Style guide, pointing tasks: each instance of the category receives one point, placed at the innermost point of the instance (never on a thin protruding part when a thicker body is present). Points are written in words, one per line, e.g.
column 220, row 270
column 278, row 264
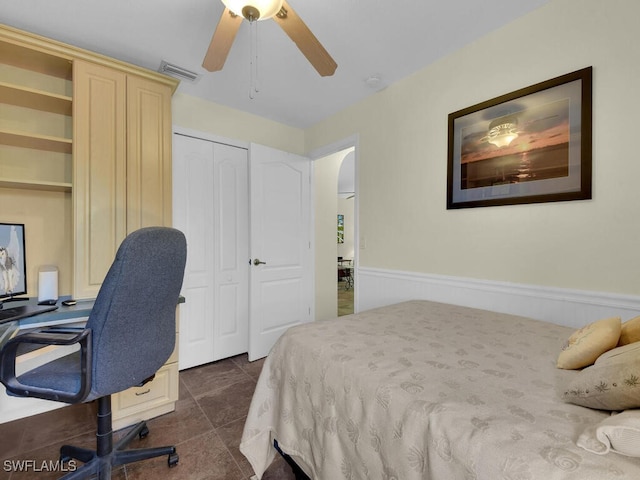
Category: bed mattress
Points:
column 423, row 390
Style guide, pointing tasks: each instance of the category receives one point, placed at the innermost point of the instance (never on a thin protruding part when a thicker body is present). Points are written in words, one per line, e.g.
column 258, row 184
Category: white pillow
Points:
column 618, row 433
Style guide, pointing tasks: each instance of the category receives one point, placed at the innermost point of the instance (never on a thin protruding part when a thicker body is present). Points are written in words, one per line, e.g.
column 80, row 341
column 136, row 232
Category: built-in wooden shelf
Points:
column 35, row 99
column 35, row 185
column 36, row 60
column 36, row 141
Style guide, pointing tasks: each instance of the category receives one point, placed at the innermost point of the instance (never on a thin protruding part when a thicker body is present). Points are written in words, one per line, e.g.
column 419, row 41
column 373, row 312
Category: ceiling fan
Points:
column 283, row 14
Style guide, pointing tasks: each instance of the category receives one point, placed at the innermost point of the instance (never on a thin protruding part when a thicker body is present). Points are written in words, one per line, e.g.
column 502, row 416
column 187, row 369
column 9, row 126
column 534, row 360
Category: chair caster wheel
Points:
column 143, row 433
column 173, row 459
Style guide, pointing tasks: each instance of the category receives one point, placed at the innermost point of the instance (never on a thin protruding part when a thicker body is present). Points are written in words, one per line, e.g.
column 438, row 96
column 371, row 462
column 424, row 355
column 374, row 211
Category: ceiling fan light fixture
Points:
column 256, row 9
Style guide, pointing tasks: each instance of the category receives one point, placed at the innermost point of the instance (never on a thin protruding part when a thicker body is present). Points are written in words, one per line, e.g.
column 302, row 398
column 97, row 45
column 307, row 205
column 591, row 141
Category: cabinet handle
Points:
column 138, row 394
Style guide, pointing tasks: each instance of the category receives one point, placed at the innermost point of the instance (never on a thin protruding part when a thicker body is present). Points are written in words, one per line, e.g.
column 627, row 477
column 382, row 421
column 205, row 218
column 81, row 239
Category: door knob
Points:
column 256, row 262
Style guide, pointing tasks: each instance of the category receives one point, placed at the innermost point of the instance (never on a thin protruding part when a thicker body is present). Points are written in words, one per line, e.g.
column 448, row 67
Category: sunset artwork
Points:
column 536, row 147
column 531, row 145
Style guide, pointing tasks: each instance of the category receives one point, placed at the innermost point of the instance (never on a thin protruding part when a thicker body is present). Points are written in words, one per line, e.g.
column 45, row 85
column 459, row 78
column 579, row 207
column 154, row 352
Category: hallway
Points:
column 345, row 299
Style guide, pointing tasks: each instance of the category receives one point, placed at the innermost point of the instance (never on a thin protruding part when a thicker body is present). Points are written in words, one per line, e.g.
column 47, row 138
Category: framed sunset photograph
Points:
column 529, row 146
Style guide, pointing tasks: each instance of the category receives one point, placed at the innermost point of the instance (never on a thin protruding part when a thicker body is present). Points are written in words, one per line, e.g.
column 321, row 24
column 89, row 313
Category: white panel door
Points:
column 210, row 205
column 281, row 287
column 192, row 205
column 231, row 244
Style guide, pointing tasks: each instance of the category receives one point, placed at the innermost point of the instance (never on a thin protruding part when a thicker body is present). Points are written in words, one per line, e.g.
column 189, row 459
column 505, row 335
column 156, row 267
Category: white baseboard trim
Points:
column 573, row 308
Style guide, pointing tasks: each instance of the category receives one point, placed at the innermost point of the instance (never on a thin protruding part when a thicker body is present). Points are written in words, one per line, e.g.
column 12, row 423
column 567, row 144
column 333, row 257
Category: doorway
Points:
column 335, row 293
column 345, row 237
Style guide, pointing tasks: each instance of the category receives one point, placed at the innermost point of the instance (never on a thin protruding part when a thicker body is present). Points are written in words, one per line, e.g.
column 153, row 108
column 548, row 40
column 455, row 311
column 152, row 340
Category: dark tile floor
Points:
column 206, row 428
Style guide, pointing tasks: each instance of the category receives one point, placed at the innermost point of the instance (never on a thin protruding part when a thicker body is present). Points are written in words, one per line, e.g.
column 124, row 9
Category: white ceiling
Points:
column 367, row 38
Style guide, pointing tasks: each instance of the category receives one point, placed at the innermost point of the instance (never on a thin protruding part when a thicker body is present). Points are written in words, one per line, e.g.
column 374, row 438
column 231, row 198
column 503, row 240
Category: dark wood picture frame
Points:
column 528, row 146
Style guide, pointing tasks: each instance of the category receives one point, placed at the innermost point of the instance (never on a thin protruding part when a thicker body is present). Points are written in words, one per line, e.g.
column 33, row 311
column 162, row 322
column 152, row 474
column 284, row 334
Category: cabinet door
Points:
column 148, row 153
column 99, row 165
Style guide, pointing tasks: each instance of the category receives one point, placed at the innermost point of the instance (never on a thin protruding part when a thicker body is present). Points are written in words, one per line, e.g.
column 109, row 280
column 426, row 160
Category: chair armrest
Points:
column 60, row 336
column 52, row 336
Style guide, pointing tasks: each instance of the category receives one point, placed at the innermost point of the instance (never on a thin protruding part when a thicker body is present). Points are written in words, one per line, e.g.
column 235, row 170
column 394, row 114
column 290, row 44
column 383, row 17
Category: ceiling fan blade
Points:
column 306, row 41
column 221, row 41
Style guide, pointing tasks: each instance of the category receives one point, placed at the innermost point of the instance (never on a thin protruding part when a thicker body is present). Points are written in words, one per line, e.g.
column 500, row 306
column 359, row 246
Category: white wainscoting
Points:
column 572, row 308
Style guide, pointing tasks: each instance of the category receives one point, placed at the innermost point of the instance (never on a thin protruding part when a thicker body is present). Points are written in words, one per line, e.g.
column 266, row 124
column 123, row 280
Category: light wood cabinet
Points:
column 100, row 176
column 149, row 184
column 85, row 159
column 122, row 167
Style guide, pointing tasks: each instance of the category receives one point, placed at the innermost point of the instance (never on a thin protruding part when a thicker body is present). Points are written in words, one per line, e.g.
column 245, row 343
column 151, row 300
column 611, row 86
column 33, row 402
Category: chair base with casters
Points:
column 107, row 456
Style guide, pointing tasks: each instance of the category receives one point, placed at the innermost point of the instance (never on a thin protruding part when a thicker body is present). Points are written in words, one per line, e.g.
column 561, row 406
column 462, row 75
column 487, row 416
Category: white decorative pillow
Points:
column 618, row 433
column 630, row 332
column 612, row 383
column 588, row 343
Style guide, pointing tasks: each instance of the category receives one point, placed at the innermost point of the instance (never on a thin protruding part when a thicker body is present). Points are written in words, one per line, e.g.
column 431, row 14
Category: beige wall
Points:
column 590, row 245
column 48, row 226
column 204, row 116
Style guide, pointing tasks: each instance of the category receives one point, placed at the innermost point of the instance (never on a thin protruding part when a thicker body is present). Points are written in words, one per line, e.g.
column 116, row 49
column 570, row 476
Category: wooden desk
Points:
column 155, row 398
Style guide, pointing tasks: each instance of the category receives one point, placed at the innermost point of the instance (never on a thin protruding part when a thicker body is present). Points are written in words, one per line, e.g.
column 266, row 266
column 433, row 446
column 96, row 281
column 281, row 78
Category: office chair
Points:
column 129, row 335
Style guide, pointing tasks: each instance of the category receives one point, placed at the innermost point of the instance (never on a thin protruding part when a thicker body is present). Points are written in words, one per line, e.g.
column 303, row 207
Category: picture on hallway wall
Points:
column 340, row 228
column 529, row 146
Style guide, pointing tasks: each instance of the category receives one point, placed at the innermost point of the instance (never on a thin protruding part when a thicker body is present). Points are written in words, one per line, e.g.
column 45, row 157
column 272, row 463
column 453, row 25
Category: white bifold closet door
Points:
column 247, row 218
column 210, row 205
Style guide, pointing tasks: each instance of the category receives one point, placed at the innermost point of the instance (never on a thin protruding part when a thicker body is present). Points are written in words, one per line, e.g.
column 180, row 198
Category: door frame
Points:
column 317, row 154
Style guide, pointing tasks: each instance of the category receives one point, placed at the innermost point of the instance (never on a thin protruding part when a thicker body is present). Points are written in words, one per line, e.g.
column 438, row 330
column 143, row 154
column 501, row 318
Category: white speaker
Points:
column 47, row 283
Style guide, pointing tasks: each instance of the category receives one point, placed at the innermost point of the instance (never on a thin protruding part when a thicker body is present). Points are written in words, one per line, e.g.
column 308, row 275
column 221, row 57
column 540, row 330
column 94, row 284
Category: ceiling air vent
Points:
column 178, row 72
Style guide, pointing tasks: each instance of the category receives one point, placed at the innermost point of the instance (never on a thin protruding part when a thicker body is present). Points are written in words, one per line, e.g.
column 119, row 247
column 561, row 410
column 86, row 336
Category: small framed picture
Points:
column 340, row 228
column 13, row 272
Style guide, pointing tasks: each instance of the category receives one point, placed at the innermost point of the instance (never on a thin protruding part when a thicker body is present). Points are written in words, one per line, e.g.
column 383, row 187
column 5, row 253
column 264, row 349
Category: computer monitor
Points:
column 13, row 267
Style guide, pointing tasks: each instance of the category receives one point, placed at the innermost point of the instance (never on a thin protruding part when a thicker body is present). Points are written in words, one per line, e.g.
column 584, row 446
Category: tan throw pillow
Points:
column 630, row 332
column 588, row 343
column 612, row 383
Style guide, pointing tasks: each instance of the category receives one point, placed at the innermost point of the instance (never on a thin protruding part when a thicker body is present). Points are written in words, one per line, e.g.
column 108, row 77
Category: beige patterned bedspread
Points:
column 422, row 390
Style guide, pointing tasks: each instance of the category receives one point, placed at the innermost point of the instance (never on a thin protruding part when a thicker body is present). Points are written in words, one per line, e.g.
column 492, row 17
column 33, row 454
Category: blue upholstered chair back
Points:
column 133, row 319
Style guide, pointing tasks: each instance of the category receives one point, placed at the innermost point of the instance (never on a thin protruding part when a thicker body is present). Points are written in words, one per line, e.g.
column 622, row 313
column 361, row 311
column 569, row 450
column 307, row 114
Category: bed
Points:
column 423, row 390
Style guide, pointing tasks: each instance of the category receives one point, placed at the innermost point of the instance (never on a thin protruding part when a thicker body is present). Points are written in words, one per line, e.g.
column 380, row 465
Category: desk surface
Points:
column 81, row 309
column 12, row 313
column 63, row 314
column 74, row 313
